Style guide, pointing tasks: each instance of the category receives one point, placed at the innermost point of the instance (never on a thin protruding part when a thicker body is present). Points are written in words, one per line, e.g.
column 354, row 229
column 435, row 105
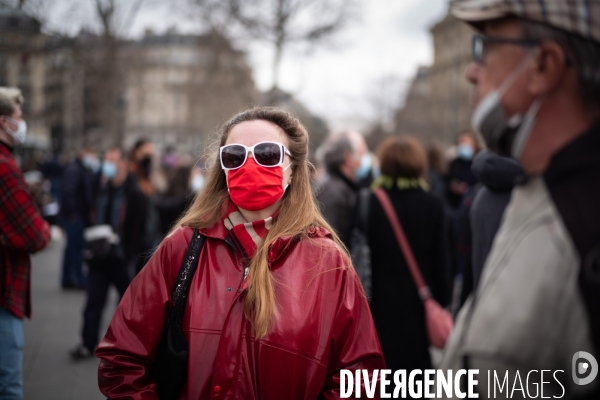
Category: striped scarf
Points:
column 248, row 235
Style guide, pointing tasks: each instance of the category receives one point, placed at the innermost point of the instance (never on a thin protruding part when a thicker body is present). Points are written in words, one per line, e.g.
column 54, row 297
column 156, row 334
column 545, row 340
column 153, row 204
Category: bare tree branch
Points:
column 105, row 11
column 285, row 22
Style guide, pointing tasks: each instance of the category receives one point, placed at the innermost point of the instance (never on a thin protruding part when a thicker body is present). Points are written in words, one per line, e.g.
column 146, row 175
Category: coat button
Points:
column 217, row 388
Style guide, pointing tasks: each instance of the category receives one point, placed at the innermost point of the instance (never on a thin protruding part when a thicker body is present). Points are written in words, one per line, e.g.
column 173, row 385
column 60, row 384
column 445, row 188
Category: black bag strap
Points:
column 186, row 273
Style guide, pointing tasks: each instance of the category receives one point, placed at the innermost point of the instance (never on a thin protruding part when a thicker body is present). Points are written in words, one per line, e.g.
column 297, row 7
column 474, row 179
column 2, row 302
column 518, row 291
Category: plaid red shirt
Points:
column 22, row 232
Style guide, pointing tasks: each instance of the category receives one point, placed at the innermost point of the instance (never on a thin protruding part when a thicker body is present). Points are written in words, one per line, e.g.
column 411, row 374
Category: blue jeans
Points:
column 11, row 356
column 72, row 273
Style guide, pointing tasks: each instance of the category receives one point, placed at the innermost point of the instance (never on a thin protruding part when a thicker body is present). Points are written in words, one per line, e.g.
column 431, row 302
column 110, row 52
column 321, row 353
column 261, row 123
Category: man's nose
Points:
column 472, row 72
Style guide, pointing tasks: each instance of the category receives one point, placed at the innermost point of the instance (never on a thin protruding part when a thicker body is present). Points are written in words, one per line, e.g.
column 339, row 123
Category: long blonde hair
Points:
column 298, row 209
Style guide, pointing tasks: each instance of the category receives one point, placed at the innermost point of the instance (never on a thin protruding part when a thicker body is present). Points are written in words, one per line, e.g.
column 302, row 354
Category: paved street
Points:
column 48, row 373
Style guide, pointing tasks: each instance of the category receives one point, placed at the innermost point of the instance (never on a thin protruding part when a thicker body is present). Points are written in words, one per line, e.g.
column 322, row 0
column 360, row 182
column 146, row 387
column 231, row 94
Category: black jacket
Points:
column 498, row 175
column 459, row 170
column 396, row 306
column 140, row 227
column 337, row 198
column 77, row 186
column 170, row 209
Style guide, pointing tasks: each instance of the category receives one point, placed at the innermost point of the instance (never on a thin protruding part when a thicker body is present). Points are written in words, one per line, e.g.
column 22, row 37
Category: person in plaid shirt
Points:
column 22, row 232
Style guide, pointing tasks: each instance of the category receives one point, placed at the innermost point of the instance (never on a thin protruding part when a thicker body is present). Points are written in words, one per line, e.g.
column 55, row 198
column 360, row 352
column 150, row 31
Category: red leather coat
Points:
column 323, row 324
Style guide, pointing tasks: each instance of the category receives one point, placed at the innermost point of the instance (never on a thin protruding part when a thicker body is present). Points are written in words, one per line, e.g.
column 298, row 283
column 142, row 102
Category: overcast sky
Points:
column 389, row 39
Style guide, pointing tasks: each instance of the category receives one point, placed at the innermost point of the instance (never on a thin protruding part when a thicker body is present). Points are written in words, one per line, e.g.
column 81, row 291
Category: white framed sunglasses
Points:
column 266, row 154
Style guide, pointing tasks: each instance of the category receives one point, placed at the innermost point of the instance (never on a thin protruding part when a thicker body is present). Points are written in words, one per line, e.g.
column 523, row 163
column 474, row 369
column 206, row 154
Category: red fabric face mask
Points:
column 253, row 187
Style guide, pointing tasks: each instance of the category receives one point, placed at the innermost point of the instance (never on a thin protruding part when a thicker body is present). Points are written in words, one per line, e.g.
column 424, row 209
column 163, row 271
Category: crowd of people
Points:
column 267, row 271
column 117, row 189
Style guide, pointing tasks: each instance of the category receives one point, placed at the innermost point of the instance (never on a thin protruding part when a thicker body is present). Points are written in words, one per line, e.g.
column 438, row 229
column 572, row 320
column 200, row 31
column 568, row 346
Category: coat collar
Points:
column 279, row 247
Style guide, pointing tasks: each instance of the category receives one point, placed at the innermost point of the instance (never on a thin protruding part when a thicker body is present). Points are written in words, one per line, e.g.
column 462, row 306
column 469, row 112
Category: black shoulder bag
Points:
column 170, row 367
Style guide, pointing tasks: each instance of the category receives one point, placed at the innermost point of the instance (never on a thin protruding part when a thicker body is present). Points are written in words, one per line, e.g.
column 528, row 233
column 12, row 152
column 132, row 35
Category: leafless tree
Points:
column 282, row 23
column 383, row 99
column 105, row 70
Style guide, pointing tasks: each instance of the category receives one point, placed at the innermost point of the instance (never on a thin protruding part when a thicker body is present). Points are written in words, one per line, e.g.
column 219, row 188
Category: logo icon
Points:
column 585, row 368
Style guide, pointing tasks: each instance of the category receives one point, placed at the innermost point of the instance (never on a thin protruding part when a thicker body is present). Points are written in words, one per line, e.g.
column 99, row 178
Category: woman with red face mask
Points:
column 274, row 309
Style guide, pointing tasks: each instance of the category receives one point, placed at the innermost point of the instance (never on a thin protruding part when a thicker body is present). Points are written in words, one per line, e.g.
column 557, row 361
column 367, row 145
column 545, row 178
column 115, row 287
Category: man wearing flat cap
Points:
column 535, row 316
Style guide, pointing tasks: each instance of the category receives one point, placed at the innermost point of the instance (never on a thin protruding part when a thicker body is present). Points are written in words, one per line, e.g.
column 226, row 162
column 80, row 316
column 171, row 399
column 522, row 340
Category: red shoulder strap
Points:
column 413, row 267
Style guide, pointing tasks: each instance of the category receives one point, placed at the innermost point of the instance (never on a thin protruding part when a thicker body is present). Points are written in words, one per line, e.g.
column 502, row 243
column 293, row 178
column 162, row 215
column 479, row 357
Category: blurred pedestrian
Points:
column 197, row 179
column 343, row 156
column 537, row 305
column 112, row 268
column 396, row 305
column 437, row 170
column 140, row 228
column 22, row 232
column 274, row 294
column 176, row 199
column 77, row 186
column 460, row 177
column 53, row 170
column 368, row 170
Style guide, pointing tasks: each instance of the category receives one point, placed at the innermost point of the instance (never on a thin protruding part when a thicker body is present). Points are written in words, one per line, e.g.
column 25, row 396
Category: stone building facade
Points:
column 95, row 90
column 180, row 87
column 439, row 102
column 22, row 64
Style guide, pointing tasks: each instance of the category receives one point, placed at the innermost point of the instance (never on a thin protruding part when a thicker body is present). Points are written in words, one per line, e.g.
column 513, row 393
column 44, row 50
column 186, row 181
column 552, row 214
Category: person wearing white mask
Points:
column 537, row 306
column 23, row 231
column 14, row 128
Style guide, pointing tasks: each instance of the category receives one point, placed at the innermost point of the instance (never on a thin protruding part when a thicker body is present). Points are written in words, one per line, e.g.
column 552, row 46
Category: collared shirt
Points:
column 22, row 232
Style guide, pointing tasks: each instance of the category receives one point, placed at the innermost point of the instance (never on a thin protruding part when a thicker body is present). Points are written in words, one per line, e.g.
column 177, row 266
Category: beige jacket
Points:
column 527, row 313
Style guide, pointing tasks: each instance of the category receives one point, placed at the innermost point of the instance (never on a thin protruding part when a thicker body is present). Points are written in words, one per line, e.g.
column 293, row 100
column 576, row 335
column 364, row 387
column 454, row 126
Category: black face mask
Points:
column 146, row 166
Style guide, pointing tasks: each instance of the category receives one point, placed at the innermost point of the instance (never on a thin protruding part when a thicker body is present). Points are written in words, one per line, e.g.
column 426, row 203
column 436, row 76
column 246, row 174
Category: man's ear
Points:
column 548, row 69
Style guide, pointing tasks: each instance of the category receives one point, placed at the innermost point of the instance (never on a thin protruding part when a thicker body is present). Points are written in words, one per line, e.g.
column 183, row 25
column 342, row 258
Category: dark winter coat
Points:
column 337, row 198
column 396, row 306
column 77, row 191
column 140, row 227
column 459, row 170
column 498, row 175
column 170, row 209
